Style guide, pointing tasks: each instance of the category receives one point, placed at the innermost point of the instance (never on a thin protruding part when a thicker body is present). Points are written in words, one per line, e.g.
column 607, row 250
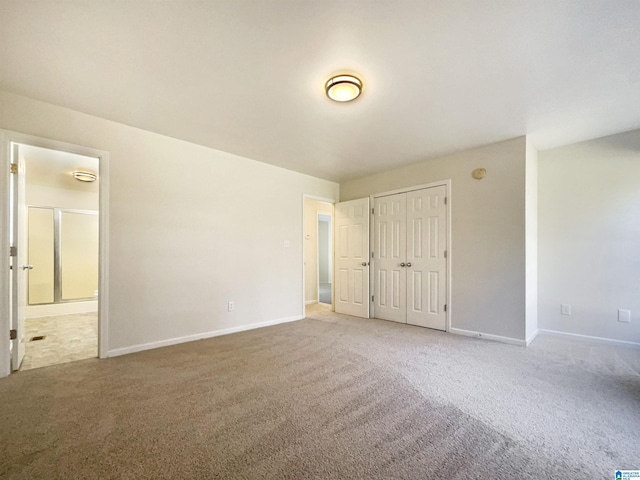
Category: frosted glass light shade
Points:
column 85, row 176
column 343, row 88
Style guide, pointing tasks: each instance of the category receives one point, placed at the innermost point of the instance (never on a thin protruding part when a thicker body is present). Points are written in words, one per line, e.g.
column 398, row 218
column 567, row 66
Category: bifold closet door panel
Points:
column 390, row 244
column 426, row 261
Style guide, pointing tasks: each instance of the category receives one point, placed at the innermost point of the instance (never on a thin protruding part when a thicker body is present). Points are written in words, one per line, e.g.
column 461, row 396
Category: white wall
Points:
column 311, row 209
column 191, row 228
column 589, row 237
column 531, row 247
column 488, row 231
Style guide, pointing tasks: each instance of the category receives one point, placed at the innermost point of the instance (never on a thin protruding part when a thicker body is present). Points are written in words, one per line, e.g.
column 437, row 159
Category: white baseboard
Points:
column 310, row 302
column 588, row 337
column 488, row 336
column 198, row 336
column 532, row 337
column 67, row 308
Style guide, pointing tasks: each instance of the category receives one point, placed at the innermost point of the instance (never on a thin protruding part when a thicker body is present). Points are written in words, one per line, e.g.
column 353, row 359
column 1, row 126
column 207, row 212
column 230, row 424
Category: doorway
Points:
column 325, row 261
column 317, row 253
column 57, row 262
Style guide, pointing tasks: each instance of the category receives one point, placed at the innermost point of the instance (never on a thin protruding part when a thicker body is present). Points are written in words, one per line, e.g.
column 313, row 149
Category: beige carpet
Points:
column 329, row 397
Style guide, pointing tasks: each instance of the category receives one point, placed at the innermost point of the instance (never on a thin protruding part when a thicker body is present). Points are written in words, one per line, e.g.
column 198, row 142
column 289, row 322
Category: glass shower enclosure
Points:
column 63, row 251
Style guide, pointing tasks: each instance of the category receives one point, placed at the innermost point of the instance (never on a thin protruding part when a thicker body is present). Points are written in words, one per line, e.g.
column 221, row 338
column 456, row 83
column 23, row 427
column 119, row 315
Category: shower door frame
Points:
column 57, row 249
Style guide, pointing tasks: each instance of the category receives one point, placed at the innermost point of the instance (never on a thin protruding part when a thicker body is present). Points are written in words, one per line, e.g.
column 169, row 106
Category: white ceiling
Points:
column 54, row 168
column 247, row 76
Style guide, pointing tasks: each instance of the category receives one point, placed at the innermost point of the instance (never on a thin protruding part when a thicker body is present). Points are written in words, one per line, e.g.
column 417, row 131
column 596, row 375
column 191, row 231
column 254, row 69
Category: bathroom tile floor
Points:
column 67, row 338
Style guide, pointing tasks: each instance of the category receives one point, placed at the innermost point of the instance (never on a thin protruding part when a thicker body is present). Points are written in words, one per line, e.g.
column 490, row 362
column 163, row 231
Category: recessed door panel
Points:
column 390, row 244
column 343, row 285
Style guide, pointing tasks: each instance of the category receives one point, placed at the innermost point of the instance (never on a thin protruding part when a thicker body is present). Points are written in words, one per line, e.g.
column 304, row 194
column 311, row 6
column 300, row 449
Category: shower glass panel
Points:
column 78, row 255
column 63, row 249
column 41, row 241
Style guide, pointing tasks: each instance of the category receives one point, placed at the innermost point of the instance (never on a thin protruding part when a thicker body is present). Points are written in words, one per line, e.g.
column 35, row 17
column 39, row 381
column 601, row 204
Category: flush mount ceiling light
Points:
column 85, row 176
column 343, row 88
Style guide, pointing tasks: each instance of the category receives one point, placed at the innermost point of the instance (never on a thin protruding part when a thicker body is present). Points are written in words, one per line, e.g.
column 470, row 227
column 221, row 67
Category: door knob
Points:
column 364, row 264
column 402, row 264
column 408, row 264
column 27, row 267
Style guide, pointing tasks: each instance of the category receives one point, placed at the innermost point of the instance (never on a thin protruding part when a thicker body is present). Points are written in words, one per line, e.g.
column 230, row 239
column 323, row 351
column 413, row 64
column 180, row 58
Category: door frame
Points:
column 448, row 283
column 6, row 138
column 332, row 201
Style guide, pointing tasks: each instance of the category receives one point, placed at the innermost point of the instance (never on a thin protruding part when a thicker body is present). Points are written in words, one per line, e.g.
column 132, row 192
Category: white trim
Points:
column 198, row 336
column 5, row 308
column 413, row 188
column 587, row 337
column 488, row 336
column 449, row 209
column 6, row 137
column 310, row 302
column 532, row 337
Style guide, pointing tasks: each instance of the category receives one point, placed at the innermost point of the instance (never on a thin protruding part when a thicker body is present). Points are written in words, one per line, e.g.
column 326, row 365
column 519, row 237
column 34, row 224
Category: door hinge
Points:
column 445, row 200
column 13, row 251
column 445, row 307
column 13, row 334
column 445, row 254
column 372, row 298
column 14, row 168
column 372, row 211
column 371, row 254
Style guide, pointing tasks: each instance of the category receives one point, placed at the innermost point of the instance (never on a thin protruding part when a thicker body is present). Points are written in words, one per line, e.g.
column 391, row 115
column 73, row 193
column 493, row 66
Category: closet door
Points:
column 425, row 259
column 389, row 254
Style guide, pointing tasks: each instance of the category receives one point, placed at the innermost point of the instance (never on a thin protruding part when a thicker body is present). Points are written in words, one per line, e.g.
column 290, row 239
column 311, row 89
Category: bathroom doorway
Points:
column 58, row 215
column 325, row 256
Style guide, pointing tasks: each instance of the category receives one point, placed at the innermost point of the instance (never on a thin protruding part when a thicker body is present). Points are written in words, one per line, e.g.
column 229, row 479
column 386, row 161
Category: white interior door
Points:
column 19, row 264
column 352, row 258
column 389, row 254
column 426, row 261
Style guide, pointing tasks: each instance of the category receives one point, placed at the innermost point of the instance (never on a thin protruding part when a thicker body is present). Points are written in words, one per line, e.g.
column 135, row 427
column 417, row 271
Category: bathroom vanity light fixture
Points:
column 343, row 88
column 85, row 176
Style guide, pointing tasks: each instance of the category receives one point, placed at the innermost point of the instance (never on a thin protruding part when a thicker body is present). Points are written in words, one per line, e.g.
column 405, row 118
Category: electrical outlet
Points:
column 624, row 316
column 565, row 309
column 231, row 306
column 286, row 243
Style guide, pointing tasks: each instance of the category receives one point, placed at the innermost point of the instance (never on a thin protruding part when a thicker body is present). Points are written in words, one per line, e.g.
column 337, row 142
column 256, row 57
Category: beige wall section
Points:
column 311, row 210
column 41, row 240
column 46, row 196
column 531, row 211
column 589, row 237
column 488, row 231
column 191, row 228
